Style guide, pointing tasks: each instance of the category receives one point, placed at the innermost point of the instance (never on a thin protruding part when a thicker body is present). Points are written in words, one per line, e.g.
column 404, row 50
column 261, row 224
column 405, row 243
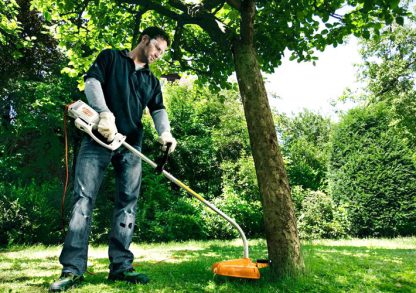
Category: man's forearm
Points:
column 161, row 121
column 95, row 95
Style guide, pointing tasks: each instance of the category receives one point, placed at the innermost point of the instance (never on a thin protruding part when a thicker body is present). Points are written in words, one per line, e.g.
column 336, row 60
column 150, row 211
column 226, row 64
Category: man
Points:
column 119, row 85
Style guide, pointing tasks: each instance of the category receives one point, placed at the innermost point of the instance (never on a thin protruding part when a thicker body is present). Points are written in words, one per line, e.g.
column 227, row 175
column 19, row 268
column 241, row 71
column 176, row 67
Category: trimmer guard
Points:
column 238, row 268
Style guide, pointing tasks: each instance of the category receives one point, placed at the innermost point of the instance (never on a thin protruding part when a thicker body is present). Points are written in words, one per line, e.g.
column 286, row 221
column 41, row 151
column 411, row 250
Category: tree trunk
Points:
column 278, row 211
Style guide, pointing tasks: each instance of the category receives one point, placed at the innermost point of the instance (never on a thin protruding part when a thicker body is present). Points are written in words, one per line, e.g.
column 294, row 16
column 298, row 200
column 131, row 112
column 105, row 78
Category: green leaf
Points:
column 400, row 20
column 394, row 3
column 48, row 16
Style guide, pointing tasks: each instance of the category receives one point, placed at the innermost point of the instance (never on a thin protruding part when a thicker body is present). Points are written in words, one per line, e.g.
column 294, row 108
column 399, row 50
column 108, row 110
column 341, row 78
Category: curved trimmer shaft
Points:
column 193, row 193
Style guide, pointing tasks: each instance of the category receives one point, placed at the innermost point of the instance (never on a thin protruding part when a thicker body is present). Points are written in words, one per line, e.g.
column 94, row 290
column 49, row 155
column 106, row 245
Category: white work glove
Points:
column 107, row 125
column 165, row 138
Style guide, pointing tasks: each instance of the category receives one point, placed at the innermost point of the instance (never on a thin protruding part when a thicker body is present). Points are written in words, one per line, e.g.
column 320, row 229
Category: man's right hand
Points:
column 107, row 125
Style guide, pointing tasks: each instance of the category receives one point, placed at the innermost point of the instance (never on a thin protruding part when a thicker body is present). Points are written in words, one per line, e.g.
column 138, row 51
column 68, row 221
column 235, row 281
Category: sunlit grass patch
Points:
column 364, row 265
column 356, row 265
column 387, row 243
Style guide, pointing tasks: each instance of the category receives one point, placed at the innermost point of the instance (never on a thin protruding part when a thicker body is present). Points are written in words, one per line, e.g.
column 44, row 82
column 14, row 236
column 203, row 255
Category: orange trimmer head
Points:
column 239, row 268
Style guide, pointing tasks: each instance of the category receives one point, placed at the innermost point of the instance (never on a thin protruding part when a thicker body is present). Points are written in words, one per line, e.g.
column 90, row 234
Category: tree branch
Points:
column 154, row 5
column 184, row 65
column 336, row 16
column 236, row 4
column 211, row 4
column 177, row 54
column 180, row 5
column 129, row 8
column 218, row 9
column 201, row 17
column 248, row 11
column 136, row 30
column 325, row 9
column 188, row 67
column 82, row 6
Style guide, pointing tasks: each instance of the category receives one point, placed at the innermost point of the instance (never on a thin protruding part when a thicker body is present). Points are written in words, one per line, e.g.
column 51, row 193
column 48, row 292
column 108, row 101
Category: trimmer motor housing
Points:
column 81, row 110
column 86, row 119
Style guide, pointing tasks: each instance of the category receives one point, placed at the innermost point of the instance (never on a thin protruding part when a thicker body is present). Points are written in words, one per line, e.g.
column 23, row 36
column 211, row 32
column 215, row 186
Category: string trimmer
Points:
column 86, row 119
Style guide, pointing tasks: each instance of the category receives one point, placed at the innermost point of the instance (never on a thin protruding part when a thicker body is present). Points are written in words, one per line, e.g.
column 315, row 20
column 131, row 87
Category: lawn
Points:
column 356, row 265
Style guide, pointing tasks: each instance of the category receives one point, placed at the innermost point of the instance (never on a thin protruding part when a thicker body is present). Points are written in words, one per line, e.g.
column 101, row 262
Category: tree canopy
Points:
column 212, row 39
column 204, row 32
column 389, row 70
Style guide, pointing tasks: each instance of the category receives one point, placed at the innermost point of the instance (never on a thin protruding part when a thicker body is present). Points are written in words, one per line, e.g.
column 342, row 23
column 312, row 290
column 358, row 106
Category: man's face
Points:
column 153, row 49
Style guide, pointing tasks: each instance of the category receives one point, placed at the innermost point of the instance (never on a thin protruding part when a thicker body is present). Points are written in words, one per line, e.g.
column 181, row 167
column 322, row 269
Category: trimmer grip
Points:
column 88, row 128
column 162, row 161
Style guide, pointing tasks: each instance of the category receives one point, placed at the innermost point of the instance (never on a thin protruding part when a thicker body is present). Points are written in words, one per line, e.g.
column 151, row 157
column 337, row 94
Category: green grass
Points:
column 366, row 265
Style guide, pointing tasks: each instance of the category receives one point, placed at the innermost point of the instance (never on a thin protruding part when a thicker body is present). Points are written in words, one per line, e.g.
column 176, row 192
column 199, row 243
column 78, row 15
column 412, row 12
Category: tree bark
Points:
column 278, row 210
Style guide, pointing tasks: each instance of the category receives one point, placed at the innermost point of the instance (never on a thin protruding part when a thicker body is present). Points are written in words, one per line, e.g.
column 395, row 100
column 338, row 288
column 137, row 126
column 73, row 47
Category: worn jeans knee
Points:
column 128, row 170
column 91, row 163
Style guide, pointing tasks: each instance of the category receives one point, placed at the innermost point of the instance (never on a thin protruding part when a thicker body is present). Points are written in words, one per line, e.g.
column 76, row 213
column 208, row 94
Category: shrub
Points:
column 182, row 221
column 304, row 141
column 240, row 200
column 32, row 213
column 321, row 218
column 13, row 220
column 215, row 227
column 372, row 172
column 164, row 213
column 248, row 214
column 298, row 195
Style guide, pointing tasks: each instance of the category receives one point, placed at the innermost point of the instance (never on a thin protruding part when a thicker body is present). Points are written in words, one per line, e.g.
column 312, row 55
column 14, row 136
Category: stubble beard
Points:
column 144, row 56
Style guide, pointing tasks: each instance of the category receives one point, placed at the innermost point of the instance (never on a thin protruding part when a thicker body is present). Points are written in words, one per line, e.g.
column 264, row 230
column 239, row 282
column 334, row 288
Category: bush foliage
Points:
column 30, row 213
column 371, row 176
column 320, row 217
column 373, row 173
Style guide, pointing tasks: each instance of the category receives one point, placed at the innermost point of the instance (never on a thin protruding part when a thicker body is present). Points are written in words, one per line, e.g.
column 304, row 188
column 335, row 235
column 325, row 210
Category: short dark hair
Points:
column 155, row 32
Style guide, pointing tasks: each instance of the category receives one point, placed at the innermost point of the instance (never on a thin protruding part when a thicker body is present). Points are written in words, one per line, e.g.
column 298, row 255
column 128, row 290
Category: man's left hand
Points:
column 165, row 138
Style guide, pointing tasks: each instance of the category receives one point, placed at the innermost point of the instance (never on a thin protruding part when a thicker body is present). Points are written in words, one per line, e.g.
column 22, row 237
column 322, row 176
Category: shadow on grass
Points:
column 328, row 269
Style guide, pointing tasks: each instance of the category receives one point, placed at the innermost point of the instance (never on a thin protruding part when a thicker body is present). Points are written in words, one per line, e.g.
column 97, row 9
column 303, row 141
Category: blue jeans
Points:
column 92, row 161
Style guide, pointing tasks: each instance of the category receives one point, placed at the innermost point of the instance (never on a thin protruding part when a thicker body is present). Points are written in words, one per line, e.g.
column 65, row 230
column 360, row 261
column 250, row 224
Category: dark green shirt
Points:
column 127, row 91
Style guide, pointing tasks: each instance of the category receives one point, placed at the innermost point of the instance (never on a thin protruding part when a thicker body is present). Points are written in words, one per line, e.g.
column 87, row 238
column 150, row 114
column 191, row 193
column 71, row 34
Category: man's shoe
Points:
column 130, row 276
column 66, row 281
